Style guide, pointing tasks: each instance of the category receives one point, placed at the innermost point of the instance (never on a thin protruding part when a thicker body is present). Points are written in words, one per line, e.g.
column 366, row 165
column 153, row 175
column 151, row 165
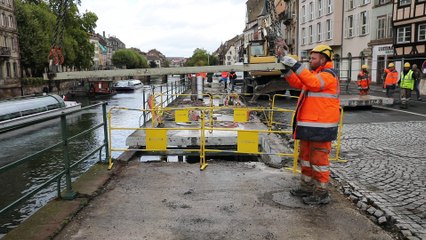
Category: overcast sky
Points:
column 174, row 27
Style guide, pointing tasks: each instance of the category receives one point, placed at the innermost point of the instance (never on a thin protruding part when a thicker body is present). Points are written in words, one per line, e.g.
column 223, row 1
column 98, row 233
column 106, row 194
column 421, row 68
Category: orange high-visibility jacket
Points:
column 363, row 80
column 391, row 77
column 318, row 109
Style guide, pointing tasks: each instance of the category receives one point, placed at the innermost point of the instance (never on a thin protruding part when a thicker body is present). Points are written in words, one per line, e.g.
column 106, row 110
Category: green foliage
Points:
column 35, row 31
column 200, row 57
column 37, row 20
column 128, row 58
column 33, row 81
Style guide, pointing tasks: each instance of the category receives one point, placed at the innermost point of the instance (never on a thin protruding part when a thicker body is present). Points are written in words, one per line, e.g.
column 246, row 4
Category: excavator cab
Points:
column 258, row 52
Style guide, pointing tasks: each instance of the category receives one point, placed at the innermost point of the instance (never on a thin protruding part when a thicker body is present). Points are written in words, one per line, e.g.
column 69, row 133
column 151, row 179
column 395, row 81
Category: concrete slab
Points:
column 365, row 100
column 218, row 139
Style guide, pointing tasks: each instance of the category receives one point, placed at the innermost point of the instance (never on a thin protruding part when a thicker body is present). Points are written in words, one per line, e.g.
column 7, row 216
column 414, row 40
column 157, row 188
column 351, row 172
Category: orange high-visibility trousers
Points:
column 313, row 159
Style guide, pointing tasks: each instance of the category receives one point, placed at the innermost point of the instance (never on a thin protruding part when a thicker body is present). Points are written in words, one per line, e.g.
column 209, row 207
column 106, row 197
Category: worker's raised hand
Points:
column 288, row 61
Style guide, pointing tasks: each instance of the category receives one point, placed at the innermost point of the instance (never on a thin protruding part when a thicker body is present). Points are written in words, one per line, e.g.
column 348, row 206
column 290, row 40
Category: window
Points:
column 365, row 2
column 15, row 69
column 381, row 27
column 319, row 32
column 404, row 2
column 364, row 23
column 351, row 4
column 319, row 7
column 421, row 32
column 328, row 29
column 303, row 36
column 311, row 11
column 3, row 19
column 311, row 34
column 10, row 21
column 5, row 41
column 329, row 7
column 403, row 34
column 362, row 54
column 349, row 26
column 381, row 2
column 8, row 69
column 303, row 14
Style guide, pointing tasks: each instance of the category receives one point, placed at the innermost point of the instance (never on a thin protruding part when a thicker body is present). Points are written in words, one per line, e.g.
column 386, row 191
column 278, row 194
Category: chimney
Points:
column 103, row 34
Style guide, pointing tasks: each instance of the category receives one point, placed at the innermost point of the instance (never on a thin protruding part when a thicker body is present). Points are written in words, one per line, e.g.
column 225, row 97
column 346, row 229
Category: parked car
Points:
column 216, row 76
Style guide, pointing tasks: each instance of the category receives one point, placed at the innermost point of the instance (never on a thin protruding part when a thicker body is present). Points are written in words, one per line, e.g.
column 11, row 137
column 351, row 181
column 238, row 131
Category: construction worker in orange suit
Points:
column 390, row 80
column 363, row 80
column 316, row 120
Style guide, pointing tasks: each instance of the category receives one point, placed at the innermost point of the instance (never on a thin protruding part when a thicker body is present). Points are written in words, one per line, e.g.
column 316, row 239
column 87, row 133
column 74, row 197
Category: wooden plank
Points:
column 165, row 71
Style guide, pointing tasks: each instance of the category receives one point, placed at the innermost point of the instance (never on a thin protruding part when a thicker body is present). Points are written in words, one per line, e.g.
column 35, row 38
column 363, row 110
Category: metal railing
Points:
column 68, row 194
column 156, row 138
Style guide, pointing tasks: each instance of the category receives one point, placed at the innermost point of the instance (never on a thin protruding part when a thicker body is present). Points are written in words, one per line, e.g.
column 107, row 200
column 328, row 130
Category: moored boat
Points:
column 93, row 88
column 25, row 111
column 128, row 85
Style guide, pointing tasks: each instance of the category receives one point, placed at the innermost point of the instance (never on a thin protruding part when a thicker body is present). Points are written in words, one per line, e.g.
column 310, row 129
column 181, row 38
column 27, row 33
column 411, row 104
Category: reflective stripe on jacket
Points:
column 318, row 109
column 363, row 80
column 407, row 81
column 391, row 77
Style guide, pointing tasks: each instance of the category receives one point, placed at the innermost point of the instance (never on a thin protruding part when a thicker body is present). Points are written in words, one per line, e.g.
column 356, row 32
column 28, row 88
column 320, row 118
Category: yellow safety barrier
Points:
column 247, row 141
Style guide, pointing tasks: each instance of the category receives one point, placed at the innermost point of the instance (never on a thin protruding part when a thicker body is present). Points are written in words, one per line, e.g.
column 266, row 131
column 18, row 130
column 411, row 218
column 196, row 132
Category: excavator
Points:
column 268, row 49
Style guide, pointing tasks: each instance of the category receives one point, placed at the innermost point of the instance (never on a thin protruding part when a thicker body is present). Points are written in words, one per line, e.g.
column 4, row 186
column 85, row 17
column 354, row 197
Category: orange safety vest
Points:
column 391, row 77
column 363, row 80
column 318, row 108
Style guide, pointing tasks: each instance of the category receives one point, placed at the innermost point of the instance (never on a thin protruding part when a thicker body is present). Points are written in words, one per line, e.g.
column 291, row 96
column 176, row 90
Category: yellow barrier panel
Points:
column 240, row 115
column 182, row 115
column 248, row 142
column 156, row 139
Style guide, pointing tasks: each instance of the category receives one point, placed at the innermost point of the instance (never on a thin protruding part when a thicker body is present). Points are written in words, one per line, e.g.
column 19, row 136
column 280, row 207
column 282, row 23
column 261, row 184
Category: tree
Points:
column 128, row 58
column 78, row 50
column 200, row 57
column 35, row 23
column 36, row 28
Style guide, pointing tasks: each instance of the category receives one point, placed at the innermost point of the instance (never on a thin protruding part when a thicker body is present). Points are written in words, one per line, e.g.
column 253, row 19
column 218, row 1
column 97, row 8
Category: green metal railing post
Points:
column 69, row 194
column 106, row 142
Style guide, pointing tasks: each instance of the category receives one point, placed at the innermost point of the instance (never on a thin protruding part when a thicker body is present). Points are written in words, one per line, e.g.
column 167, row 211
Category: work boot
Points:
column 299, row 192
column 303, row 190
column 317, row 198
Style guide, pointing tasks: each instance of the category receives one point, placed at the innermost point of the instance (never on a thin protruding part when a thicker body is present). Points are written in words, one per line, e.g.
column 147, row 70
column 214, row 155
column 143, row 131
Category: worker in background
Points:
column 316, row 120
column 417, row 77
column 391, row 78
column 224, row 78
column 406, row 83
column 363, row 80
column 232, row 77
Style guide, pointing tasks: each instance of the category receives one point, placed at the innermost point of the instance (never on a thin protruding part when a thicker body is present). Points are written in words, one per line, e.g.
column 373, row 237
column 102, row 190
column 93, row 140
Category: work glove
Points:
column 288, row 61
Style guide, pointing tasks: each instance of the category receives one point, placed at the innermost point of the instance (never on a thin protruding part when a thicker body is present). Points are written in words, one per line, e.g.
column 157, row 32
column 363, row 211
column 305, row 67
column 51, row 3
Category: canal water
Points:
column 23, row 142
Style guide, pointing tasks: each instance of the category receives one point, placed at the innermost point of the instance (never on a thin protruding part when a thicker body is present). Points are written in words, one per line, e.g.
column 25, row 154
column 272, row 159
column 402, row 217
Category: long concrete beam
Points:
column 165, row 71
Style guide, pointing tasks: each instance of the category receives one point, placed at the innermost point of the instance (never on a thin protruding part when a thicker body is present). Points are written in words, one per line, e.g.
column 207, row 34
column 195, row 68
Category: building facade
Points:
column 381, row 38
column 320, row 22
column 9, row 52
column 356, row 31
column 409, row 33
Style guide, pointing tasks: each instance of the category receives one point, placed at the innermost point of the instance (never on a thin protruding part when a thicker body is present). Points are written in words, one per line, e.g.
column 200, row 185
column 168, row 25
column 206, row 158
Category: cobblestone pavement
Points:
column 386, row 173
